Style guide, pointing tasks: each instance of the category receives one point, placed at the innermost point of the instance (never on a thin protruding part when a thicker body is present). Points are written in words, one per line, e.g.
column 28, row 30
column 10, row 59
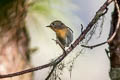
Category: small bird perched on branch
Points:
column 63, row 33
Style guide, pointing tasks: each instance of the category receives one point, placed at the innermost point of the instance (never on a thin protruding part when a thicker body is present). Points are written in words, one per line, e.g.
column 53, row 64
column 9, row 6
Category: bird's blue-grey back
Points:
column 69, row 38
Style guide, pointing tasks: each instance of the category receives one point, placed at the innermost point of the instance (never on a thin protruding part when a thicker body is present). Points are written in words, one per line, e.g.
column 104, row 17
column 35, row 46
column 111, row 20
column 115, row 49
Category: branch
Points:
column 118, row 23
column 99, row 13
column 62, row 47
column 81, row 28
column 93, row 46
column 54, row 66
column 51, row 72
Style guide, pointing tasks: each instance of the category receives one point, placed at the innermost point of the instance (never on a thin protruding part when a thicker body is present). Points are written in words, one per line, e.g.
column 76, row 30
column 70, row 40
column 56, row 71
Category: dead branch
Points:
column 54, row 66
column 118, row 23
column 93, row 46
column 51, row 72
column 62, row 47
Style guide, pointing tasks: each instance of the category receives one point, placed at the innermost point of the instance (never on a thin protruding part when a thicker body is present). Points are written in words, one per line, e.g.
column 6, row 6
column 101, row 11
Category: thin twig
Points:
column 107, row 52
column 63, row 48
column 77, row 41
column 51, row 72
column 93, row 46
column 81, row 28
column 118, row 23
column 105, row 11
column 54, row 66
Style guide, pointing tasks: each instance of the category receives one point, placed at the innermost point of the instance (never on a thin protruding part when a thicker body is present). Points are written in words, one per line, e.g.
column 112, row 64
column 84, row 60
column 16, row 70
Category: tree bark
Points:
column 114, row 47
column 14, row 41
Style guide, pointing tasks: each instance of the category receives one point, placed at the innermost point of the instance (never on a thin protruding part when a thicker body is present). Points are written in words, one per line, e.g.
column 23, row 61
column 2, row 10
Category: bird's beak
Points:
column 48, row 26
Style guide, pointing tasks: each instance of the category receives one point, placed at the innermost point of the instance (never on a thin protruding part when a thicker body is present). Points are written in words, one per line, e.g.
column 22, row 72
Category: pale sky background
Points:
column 92, row 64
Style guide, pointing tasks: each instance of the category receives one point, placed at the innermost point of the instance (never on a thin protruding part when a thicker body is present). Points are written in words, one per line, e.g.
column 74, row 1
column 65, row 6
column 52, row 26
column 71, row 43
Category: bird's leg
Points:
column 58, row 42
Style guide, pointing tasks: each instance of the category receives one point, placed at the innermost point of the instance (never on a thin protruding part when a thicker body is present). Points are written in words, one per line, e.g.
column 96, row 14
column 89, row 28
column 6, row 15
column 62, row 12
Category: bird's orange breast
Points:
column 61, row 32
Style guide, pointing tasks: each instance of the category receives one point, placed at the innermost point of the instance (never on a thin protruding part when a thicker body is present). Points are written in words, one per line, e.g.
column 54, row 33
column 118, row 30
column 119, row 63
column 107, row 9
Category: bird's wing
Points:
column 70, row 29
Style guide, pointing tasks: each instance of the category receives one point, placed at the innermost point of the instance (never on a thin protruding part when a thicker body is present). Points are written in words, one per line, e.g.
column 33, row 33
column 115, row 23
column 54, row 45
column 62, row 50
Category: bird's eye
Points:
column 52, row 23
column 61, row 23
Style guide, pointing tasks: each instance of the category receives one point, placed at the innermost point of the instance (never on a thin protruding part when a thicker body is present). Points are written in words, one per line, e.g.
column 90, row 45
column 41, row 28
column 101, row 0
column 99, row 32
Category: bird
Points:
column 64, row 34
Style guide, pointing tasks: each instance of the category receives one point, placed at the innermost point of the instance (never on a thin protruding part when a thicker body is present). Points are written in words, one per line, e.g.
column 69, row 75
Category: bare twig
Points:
column 63, row 48
column 93, row 46
column 54, row 66
column 51, row 72
column 118, row 23
column 99, row 13
column 107, row 52
column 81, row 28
column 105, row 11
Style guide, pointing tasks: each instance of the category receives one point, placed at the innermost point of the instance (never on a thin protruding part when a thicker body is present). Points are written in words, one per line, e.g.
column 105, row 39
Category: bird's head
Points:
column 57, row 24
